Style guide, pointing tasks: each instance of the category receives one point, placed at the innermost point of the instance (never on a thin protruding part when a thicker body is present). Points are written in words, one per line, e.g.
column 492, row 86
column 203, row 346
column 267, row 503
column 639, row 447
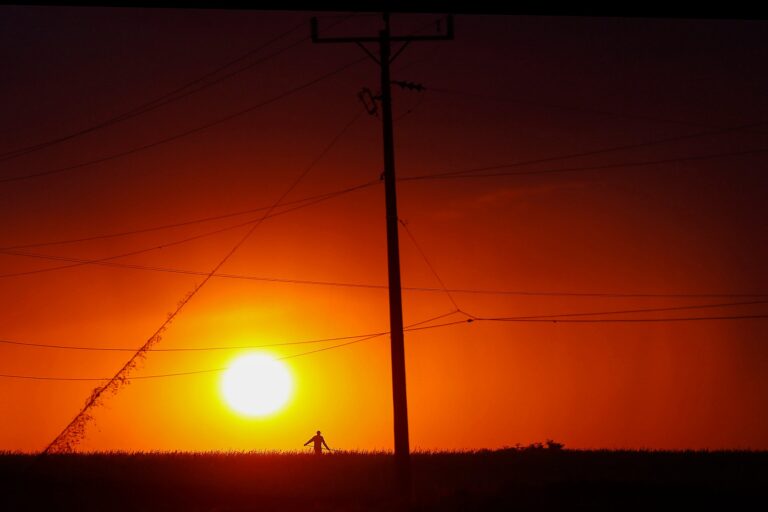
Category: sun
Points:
column 256, row 385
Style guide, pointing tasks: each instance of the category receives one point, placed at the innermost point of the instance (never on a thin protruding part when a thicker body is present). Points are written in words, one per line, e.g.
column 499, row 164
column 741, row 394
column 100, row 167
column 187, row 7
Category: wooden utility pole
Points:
column 399, row 397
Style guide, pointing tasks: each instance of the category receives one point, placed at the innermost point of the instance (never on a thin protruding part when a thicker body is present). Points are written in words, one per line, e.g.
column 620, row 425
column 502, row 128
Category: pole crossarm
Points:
column 447, row 36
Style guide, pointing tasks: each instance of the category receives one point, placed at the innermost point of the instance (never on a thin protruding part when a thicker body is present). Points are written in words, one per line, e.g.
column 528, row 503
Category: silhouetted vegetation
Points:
column 549, row 444
column 537, row 477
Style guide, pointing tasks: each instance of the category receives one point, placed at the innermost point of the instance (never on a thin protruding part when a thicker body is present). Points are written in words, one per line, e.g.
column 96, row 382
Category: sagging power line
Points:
column 416, row 244
column 555, row 106
column 630, row 311
column 378, row 335
column 600, row 151
column 344, row 284
column 198, row 84
column 470, row 173
column 185, row 133
column 107, row 260
column 625, row 320
column 412, row 327
column 454, row 174
column 200, row 220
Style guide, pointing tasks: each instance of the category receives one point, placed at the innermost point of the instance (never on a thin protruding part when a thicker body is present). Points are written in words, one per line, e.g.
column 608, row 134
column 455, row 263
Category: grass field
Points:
column 443, row 481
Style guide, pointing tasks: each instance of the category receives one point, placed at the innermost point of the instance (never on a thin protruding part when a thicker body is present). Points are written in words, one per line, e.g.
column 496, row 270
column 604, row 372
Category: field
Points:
column 445, row 481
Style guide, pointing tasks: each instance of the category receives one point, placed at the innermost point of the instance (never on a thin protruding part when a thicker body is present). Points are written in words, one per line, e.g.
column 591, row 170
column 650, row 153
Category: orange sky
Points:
column 561, row 86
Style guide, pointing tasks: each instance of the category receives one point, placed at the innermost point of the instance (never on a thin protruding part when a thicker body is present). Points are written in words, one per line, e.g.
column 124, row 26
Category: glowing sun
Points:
column 256, row 385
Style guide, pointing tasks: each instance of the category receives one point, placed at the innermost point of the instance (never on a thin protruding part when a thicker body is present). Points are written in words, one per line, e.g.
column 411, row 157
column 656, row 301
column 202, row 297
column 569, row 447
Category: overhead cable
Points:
column 218, row 370
column 107, row 260
column 200, row 83
column 185, row 133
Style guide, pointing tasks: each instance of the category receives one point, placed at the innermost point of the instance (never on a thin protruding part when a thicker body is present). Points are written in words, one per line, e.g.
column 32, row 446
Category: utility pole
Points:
column 385, row 58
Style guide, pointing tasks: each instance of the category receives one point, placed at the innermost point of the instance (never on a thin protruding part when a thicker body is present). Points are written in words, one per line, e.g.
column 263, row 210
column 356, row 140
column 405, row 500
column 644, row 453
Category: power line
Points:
column 469, row 172
column 624, row 320
column 506, row 99
column 376, row 335
column 412, row 327
column 429, row 264
column 441, row 175
column 593, row 152
column 177, row 93
column 77, row 262
column 174, row 95
column 531, row 293
column 343, row 284
column 185, row 133
column 333, row 347
column 75, row 430
column 184, row 349
column 216, row 370
column 187, row 222
column 626, row 311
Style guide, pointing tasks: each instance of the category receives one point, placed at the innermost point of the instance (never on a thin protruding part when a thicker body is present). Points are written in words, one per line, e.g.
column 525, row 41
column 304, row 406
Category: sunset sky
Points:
column 666, row 208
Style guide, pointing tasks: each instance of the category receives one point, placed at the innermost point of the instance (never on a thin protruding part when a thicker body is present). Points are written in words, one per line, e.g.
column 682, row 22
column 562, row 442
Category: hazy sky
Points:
column 676, row 210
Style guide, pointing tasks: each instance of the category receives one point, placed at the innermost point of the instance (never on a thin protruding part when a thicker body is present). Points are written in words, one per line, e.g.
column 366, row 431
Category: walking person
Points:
column 319, row 443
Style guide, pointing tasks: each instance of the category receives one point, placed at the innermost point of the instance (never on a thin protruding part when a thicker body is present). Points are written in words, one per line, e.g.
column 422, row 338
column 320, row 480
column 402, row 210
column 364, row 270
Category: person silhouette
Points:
column 319, row 443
